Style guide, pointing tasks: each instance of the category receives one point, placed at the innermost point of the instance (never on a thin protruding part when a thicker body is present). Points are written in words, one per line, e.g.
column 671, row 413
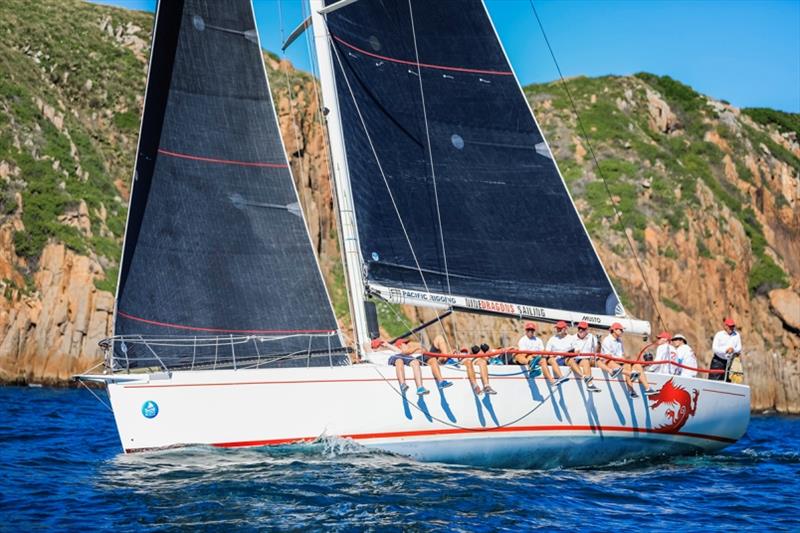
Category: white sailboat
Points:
column 224, row 334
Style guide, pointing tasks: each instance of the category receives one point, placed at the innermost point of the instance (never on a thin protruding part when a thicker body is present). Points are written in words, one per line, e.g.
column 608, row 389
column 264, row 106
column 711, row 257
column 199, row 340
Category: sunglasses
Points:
column 583, row 329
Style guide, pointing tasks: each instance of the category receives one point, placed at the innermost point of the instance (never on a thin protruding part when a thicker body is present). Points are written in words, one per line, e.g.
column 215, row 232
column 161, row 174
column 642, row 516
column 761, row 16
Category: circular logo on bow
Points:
column 149, row 409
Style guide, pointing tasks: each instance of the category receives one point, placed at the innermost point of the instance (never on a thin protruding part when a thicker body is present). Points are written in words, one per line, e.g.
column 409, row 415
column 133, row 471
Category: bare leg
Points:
column 575, row 366
column 642, row 377
column 546, row 371
column 399, row 369
column 434, row 364
column 586, row 366
column 556, row 369
column 522, row 359
column 607, row 366
column 470, row 372
column 483, row 366
column 626, row 374
column 417, row 372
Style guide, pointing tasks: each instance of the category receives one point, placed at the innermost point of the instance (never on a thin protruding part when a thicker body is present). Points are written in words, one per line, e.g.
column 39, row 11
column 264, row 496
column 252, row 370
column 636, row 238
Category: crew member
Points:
column 403, row 356
column 439, row 346
column 727, row 345
column 684, row 355
column 665, row 353
column 612, row 345
column 560, row 343
column 529, row 342
column 483, row 367
column 581, row 366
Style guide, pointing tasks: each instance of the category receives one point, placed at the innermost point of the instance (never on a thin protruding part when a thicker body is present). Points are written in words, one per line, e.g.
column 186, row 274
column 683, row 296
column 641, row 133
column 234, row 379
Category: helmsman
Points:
column 727, row 345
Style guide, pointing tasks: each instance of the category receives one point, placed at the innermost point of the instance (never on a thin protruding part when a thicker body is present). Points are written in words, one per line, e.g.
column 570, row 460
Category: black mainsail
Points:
column 455, row 190
column 216, row 246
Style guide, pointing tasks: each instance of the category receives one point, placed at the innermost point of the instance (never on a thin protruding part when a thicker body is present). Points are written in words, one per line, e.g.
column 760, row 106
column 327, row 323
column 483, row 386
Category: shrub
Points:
column 765, row 276
column 785, row 122
column 672, row 305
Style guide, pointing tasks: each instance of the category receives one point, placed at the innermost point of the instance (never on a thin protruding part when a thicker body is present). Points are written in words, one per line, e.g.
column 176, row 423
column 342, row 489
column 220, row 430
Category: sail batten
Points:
column 432, row 111
column 216, row 243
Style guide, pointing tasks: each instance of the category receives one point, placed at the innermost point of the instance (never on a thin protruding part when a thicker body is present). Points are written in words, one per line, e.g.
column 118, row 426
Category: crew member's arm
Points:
column 737, row 344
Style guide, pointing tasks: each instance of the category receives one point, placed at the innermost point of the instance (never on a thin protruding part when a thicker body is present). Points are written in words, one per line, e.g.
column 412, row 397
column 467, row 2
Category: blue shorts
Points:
column 401, row 357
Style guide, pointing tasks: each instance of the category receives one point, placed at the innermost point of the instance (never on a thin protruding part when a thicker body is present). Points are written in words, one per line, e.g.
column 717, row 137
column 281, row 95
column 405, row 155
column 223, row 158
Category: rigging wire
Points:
column 585, row 137
column 430, row 157
column 383, row 174
column 98, row 398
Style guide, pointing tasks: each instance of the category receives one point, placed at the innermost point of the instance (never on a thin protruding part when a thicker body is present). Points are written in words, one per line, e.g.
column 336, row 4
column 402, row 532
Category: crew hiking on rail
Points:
column 670, row 349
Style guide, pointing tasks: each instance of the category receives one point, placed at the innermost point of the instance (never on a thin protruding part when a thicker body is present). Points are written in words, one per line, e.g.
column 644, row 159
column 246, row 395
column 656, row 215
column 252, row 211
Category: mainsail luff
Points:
column 494, row 170
column 351, row 249
column 216, row 243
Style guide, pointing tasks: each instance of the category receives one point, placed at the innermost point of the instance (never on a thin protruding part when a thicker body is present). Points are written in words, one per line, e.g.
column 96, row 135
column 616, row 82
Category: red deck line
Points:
column 220, row 330
column 454, row 431
column 222, row 161
column 425, row 65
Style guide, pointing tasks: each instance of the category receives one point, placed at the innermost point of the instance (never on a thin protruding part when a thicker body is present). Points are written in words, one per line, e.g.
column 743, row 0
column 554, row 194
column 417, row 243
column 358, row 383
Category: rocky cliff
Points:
column 702, row 193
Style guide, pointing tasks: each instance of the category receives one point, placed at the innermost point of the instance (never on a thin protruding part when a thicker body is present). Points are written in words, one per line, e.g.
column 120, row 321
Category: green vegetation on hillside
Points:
column 61, row 76
column 70, row 103
column 651, row 175
column 785, row 122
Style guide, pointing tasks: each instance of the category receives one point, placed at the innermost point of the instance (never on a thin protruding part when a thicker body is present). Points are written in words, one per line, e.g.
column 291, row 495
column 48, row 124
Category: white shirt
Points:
column 664, row 352
column 685, row 356
column 613, row 346
column 534, row 344
column 588, row 344
column 723, row 341
column 559, row 344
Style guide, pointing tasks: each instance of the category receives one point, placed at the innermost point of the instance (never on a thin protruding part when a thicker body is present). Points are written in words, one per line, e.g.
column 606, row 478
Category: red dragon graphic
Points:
column 672, row 394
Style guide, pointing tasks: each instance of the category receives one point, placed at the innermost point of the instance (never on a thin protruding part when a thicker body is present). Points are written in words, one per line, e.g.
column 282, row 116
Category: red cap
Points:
column 464, row 349
column 729, row 322
column 665, row 335
column 561, row 324
column 583, row 324
column 376, row 343
column 400, row 342
column 616, row 325
column 530, row 325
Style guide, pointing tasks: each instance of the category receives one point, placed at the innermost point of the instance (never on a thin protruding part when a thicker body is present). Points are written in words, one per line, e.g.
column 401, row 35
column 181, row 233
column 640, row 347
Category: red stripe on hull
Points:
column 454, row 431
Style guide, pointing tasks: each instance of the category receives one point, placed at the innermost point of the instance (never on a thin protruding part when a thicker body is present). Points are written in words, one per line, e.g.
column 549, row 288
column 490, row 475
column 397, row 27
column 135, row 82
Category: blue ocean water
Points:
column 61, row 469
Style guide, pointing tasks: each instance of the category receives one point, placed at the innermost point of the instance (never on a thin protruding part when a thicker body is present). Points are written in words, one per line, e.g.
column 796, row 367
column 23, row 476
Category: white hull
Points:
column 523, row 425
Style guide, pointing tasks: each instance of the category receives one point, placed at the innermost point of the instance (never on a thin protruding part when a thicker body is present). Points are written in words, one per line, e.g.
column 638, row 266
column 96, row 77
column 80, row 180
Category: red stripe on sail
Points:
column 424, row 65
column 222, row 161
column 220, row 330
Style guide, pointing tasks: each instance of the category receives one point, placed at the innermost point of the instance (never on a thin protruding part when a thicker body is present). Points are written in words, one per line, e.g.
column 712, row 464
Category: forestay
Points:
column 216, row 244
column 455, row 189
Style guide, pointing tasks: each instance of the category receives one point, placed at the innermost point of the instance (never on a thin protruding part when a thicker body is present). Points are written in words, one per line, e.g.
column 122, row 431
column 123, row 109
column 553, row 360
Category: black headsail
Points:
column 432, row 111
column 216, row 246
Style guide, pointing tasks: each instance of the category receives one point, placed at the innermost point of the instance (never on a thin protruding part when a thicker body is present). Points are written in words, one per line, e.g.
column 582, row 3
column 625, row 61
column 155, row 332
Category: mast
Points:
column 351, row 254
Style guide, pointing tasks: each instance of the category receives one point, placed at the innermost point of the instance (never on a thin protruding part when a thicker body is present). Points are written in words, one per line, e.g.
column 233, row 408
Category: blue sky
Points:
column 746, row 52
